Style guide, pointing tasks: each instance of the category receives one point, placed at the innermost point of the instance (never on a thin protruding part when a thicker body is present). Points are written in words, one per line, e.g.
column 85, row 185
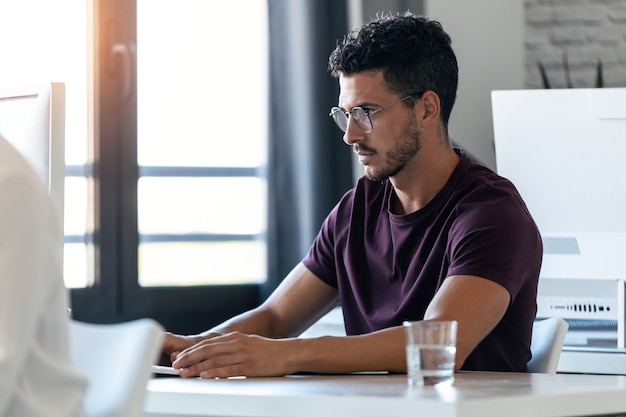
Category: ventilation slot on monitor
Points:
column 560, row 246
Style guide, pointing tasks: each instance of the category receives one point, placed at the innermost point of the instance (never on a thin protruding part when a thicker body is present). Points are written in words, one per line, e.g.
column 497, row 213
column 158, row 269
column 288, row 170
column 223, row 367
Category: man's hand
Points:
column 236, row 354
column 173, row 344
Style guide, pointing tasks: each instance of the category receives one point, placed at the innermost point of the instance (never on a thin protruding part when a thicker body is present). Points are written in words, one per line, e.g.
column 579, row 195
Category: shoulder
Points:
column 486, row 199
column 479, row 185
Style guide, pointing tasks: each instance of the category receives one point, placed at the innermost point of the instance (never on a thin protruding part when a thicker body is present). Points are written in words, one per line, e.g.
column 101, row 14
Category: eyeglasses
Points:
column 361, row 116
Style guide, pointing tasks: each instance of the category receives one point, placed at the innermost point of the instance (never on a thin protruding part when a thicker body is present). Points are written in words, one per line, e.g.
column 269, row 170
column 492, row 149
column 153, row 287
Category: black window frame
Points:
column 112, row 174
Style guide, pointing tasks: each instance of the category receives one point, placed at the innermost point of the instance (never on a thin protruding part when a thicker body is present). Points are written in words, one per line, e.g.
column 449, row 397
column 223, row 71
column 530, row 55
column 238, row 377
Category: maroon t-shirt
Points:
column 388, row 267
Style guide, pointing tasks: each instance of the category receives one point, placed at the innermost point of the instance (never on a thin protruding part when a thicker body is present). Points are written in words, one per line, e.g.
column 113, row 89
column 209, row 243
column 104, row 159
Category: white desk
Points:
column 473, row 394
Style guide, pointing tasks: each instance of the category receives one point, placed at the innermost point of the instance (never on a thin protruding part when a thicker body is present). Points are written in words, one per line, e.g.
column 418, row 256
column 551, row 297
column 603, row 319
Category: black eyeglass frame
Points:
column 366, row 124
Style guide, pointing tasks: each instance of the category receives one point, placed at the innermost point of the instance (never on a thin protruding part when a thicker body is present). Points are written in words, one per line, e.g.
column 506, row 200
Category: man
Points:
column 36, row 374
column 426, row 234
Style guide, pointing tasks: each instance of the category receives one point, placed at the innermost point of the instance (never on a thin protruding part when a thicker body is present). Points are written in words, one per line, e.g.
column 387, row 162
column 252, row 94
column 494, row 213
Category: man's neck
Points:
column 423, row 178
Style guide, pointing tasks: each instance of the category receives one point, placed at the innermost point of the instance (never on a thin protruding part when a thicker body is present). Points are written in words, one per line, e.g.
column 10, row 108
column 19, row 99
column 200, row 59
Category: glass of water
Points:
column 430, row 352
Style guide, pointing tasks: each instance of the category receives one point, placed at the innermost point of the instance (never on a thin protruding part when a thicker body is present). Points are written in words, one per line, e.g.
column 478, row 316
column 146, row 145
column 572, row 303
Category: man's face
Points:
column 394, row 139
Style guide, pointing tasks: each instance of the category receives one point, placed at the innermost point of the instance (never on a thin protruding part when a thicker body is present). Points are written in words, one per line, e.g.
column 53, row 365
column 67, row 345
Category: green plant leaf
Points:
column 599, row 75
column 568, row 78
column 544, row 76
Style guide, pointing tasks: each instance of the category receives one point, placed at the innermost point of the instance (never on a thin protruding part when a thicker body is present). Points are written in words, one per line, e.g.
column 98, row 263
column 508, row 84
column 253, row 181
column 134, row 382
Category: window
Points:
column 166, row 195
column 169, row 104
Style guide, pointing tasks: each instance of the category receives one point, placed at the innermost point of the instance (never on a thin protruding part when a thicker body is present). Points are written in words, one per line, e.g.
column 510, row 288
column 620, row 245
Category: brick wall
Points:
column 586, row 31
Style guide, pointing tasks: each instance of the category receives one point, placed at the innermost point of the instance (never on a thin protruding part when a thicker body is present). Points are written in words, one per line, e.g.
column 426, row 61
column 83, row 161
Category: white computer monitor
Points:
column 32, row 119
column 564, row 150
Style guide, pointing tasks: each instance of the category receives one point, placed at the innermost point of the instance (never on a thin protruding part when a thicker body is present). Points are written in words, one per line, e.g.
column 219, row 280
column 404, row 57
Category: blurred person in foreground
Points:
column 426, row 234
column 37, row 378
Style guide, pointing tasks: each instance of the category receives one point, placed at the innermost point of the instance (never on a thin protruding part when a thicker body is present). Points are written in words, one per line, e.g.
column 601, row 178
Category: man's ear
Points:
column 430, row 108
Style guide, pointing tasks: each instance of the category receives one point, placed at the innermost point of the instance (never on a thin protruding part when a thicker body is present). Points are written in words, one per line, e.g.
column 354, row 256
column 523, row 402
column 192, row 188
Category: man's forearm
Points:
column 378, row 351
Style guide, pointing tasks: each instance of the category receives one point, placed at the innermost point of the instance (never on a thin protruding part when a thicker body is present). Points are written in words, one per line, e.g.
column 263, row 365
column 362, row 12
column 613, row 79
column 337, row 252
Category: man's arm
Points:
column 237, row 354
column 476, row 303
column 298, row 302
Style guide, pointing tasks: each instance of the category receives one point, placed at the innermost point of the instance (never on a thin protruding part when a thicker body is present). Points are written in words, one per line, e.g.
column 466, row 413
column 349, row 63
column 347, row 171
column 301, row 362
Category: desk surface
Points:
column 473, row 394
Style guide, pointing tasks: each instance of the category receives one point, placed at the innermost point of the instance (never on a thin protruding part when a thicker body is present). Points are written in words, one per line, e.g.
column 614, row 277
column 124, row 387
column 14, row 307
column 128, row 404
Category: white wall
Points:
column 488, row 39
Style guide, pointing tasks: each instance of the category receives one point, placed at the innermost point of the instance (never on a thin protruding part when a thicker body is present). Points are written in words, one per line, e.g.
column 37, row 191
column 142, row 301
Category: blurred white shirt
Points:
column 36, row 375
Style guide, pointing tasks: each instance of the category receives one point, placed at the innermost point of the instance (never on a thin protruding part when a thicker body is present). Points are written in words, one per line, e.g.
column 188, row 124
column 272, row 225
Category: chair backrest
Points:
column 116, row 359
column 547, row 341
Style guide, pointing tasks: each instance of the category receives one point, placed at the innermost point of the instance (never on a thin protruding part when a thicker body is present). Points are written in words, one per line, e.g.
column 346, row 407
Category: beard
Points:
column 396, row 158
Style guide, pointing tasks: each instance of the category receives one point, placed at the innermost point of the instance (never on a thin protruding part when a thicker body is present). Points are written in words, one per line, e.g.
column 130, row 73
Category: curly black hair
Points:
column 414, row 53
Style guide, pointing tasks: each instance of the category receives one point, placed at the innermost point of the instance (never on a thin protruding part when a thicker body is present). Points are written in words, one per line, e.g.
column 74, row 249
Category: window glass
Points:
column 199, row 263
column 202, row 123
column 210, row 205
